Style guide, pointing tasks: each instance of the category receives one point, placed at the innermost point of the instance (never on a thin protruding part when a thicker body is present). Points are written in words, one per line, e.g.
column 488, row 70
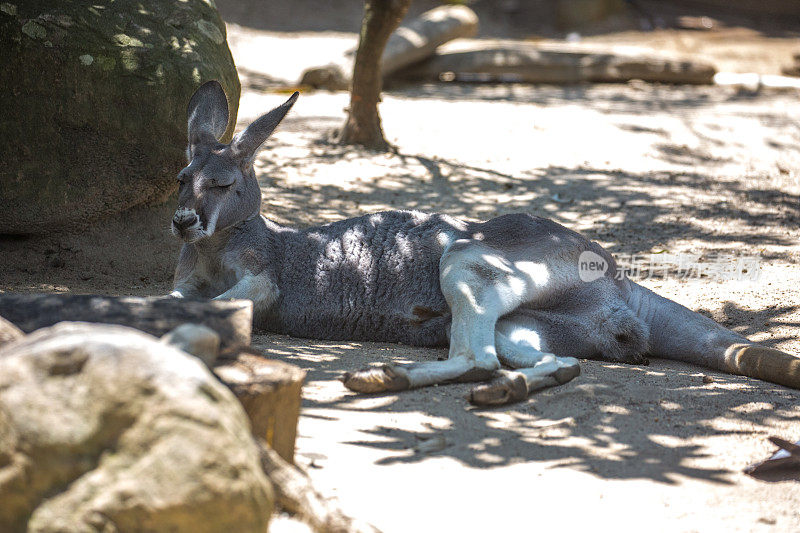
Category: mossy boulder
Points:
column 93, row 119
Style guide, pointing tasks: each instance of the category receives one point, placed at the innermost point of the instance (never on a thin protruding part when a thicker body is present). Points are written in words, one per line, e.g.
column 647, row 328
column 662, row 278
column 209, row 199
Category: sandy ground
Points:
column 642, row 169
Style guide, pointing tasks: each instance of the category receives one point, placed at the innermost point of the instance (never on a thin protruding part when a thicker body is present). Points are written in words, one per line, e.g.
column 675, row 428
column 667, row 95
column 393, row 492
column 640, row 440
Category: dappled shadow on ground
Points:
column 614, row 421
column 751, row 322
column 629, row 212
column 711, row 171
column 633, row 99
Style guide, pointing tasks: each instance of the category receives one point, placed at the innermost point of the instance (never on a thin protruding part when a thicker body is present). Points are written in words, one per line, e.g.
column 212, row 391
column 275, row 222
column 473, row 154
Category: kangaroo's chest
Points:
column 219, row 273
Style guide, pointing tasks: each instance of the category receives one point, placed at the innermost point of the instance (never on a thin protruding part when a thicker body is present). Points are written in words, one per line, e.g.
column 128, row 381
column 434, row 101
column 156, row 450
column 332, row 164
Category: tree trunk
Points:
column 231, row 320
column 363, row 126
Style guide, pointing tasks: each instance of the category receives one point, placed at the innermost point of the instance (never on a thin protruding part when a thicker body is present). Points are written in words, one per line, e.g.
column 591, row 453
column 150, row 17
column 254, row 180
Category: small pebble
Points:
column 708, row 379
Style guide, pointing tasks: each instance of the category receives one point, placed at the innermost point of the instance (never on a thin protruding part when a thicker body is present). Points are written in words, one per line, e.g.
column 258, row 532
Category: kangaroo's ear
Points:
column 246, row 143
column 208, row 114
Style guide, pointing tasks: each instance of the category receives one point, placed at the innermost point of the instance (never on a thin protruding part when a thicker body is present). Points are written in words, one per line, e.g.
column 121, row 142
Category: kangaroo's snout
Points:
column 185, row 223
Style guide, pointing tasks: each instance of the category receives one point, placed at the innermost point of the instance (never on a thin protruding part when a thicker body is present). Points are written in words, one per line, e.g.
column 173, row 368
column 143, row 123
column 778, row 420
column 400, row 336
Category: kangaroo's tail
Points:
column 681, row 334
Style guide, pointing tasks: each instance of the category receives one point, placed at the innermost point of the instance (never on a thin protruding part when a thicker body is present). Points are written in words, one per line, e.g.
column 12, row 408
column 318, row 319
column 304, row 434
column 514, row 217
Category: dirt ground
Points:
column 642, row 169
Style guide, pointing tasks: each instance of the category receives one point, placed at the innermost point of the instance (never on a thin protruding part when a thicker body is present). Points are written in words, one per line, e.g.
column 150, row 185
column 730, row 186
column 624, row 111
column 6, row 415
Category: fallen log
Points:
column 537, row 63
column 409, row 44
column 295, row 494
column 231, row 320
column 270, row 392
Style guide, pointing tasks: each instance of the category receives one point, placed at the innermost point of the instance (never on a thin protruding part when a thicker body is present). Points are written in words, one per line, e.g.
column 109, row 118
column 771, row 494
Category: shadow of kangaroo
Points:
column 518, row 291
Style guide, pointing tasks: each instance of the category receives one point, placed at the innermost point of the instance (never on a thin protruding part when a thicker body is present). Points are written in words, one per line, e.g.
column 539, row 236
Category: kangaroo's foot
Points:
column 512, row 386
column 508, row 387
column 389, row 378
column 383, row 378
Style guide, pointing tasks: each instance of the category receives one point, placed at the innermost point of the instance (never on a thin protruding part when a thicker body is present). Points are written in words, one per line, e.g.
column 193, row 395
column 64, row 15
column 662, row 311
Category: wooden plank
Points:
column 270, row 392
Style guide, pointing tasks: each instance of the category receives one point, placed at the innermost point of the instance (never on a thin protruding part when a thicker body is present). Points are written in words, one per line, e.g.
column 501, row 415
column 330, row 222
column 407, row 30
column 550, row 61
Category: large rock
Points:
column 103, row 428
column 93, row 115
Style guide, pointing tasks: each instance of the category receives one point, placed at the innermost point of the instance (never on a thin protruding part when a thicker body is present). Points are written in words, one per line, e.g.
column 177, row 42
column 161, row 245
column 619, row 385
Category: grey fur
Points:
column 401, row 276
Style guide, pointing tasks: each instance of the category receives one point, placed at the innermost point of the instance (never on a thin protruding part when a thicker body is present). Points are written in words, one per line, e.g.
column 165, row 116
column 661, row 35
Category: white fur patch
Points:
column 258, row 288
column 212, row 222
column 182, row 213
column 538, row 273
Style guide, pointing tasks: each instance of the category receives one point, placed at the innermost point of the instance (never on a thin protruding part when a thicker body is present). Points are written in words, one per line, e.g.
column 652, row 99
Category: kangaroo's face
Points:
column 218, row 188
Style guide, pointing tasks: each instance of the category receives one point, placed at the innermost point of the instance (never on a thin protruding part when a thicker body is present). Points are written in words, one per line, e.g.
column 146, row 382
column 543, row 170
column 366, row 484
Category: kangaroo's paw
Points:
column 507, row 387
column 377, row 379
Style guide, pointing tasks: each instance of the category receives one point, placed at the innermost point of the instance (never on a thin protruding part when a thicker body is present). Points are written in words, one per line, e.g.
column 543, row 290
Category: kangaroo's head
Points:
column 218, row 188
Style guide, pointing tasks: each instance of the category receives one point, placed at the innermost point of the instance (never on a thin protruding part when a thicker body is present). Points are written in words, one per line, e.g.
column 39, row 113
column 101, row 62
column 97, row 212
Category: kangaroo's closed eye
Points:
column 221, row 184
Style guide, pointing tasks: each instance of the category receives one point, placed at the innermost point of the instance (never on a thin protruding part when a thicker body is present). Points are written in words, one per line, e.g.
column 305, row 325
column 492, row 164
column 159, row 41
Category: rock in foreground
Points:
column 103, row 428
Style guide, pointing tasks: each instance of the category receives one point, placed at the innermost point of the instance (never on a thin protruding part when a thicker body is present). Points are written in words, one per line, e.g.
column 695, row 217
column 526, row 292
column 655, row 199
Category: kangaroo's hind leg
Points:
column 520, row 341
column 590, row 321
column 480, row 285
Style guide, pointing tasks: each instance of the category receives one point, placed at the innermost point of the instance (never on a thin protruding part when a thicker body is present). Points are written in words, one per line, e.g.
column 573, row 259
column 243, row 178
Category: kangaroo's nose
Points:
column 184, row 220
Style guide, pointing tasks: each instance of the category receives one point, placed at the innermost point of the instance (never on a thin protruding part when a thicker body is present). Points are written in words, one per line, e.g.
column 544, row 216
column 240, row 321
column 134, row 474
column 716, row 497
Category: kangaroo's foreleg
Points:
column 259, row 288
column 187, row 282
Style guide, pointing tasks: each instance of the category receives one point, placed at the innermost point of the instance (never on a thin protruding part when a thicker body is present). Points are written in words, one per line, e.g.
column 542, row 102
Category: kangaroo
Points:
column 507, row 293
